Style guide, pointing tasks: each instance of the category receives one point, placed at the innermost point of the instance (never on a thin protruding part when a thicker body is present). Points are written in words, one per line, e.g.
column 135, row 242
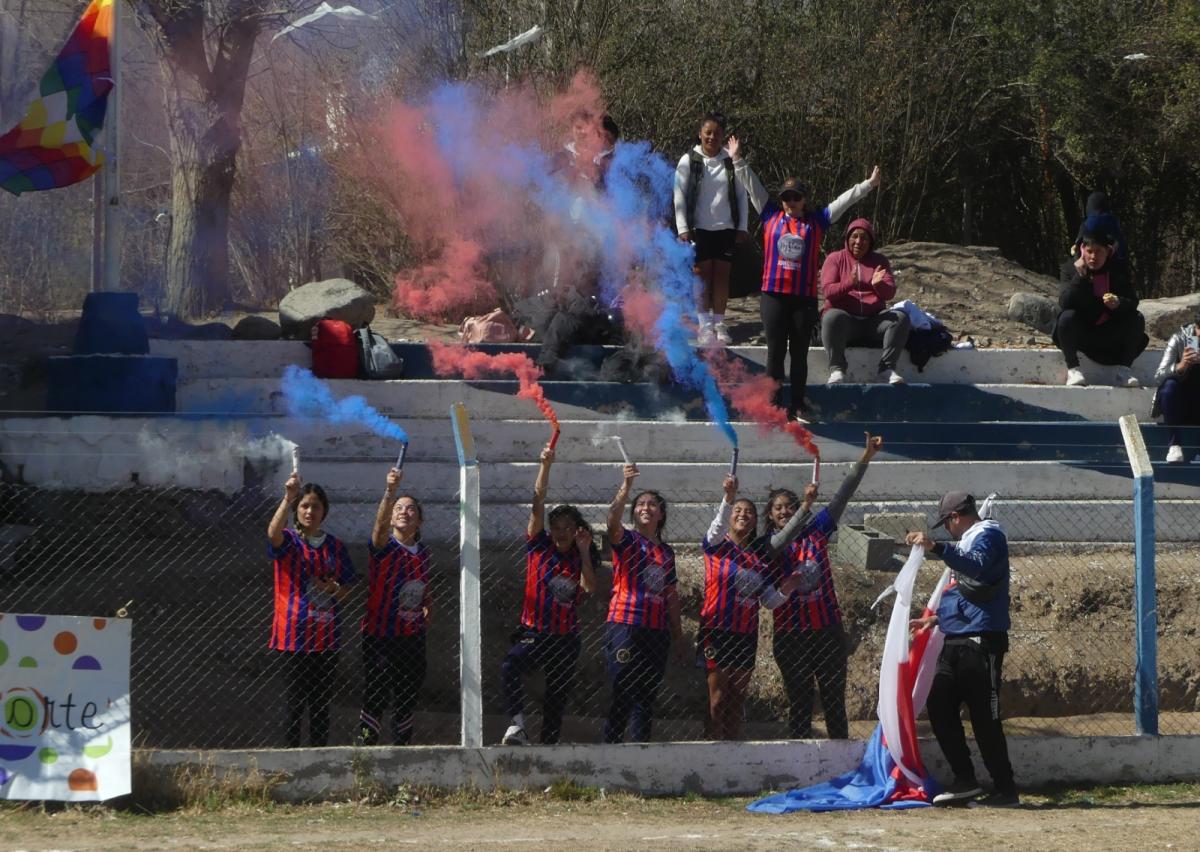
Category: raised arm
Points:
column 616, row 530
column 537, row 512
column 850, row 484
column 756, row 193
column 291, row 490
column 1176, row 359
column 383, row 515
column 719, row 527
column 838, row 207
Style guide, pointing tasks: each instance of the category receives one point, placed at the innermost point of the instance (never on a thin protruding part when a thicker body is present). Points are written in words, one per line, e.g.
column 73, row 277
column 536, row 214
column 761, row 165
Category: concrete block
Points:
column 896, row 525
column 863, row 547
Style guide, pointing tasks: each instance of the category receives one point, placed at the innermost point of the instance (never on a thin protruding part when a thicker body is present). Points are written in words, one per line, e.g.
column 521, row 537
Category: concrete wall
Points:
column 656, row 769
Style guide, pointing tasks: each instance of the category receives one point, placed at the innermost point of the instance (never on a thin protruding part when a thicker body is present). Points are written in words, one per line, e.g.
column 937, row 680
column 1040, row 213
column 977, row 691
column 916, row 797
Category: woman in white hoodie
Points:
column 710, row 213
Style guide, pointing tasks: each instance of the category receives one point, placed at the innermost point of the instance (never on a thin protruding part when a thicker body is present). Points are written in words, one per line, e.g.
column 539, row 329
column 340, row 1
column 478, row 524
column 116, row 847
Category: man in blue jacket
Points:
column 973, row 615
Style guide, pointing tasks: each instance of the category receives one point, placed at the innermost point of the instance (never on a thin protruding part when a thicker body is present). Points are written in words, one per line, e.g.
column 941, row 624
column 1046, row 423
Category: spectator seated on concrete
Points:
column 563, row 317
column 1099, row 307
column 857, row 282
column 1178, row 378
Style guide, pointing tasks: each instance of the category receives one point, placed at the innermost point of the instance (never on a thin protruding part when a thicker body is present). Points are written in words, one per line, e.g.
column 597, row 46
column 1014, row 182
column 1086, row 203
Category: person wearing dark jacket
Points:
column 1178, row 378
column 973, row 616
column 1099, row 308
column 857, row 282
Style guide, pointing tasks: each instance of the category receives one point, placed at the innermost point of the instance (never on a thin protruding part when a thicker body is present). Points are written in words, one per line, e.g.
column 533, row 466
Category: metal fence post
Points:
column 1145, row 607
column 470, row 630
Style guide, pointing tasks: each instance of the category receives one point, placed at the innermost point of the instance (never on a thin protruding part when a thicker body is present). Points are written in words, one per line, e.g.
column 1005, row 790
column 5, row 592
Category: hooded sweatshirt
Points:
column 846, row 280
column 713, row 212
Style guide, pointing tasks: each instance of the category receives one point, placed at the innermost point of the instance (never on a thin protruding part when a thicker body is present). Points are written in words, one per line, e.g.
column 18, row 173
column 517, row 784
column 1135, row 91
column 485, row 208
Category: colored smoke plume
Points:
column 449, row 360
column 751, row 394
column 309, row 398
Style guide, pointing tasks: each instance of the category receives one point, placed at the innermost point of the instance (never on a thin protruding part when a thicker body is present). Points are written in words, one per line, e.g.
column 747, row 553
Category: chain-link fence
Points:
column 194, row 564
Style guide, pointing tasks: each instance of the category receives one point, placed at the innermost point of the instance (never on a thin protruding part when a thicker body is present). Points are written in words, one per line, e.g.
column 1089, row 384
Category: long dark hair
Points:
column 310, row 488
column 566, row 510
column 773, row 495
column 662, row 505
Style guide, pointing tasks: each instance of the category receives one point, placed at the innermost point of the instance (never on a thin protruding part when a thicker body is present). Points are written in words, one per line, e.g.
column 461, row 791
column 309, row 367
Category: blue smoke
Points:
column 634, row 215
column 309, row 398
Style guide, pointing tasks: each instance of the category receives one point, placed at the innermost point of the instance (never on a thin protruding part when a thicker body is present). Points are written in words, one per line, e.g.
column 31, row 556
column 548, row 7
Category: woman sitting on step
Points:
column 1178, row 378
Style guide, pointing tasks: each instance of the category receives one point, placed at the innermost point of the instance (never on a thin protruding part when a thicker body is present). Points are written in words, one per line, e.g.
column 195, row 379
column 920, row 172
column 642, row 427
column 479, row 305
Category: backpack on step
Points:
column 376, row 358
column 334, row 354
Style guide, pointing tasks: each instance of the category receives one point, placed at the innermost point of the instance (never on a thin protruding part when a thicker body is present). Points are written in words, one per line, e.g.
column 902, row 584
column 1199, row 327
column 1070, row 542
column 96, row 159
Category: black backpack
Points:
column 376, row 358
column 692, row 193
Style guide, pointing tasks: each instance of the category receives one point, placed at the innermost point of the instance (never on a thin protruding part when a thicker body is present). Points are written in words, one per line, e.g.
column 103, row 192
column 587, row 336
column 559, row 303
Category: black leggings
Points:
column 309, row 687
column 557, row 655
column 803, row 655
column 788, row 322
column 393, row 671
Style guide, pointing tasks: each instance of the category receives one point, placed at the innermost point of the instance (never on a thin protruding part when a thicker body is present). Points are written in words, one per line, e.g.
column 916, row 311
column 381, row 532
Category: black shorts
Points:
column 724, row 649
column 714, row 245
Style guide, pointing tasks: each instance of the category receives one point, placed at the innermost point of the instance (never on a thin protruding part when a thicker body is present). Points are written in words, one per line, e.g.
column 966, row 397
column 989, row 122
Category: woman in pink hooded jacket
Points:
column 857, row 282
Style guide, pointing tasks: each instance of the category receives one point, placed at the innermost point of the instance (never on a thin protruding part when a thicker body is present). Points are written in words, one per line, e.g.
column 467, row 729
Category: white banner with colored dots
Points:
column 64, row 693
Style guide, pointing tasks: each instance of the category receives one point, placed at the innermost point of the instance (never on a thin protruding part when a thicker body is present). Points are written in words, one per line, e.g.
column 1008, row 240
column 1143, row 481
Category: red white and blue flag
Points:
column 891, row 774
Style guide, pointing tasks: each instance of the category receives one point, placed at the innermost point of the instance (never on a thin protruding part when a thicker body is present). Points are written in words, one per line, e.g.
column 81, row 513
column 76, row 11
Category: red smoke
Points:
column 751, row 396
column 449, row 287
column 470, row 364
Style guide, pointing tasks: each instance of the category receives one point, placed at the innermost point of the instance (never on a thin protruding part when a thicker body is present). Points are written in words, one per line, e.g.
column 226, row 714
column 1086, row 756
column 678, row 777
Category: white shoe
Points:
column 722, row 333
column 891, row 377
column 515, row 736
column 1126, row 378
column 704, row 335
column 1075, row 378
column 1175, row 454
column 836, row 377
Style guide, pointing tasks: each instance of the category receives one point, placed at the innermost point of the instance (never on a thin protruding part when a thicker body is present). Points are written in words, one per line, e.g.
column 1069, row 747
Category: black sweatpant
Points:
column 636, row 659
column 788, row 323
column 1116, row 342
column 805, row 656
column 557, row 655
column 393, row 671
column 968, row 672
column 309, row 686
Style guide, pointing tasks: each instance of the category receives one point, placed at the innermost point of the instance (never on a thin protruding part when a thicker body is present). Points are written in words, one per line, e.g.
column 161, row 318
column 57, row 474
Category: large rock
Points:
column 1165, row 316
column 256, row 328
column 1033, row 310
column 335, row 298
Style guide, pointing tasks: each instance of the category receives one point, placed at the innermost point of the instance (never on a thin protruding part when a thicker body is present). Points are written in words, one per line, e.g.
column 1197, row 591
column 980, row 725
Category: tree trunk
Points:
column 204, row 109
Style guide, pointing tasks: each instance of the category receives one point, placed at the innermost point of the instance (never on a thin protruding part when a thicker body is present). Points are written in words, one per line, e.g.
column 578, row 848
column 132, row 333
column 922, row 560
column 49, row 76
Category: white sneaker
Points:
column 704, row 335
column 1175, row 454
column 891, row 377
column 1126, row 378
column 836, row 377
column 722, row 333
column 515, row 736
column 1075, row 378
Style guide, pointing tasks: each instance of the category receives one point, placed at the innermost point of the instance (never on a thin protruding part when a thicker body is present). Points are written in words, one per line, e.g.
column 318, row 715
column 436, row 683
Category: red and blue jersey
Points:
column 814, row 605
column 552, row 590
column 398, row 593
column 735, row 579
column 643, row 576
column 791, row 249
column 307, row 619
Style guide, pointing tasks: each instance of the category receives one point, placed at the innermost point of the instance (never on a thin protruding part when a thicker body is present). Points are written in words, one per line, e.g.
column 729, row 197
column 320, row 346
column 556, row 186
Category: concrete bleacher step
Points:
column 1083, row 524
column 267, row 359
column 497, row 400
column 596, row 482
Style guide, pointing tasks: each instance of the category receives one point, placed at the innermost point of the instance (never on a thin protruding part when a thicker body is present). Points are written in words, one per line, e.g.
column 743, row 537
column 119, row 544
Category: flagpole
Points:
column 98, row 231
column 112, row 169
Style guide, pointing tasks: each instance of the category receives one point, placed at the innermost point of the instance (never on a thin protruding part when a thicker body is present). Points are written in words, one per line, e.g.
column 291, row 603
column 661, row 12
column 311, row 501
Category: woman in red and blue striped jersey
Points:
column 737, row 581
column 559, row 569
column 399, row 608
column 312, row 571
column 643, row 612
column 809, row 642
column 792, row 236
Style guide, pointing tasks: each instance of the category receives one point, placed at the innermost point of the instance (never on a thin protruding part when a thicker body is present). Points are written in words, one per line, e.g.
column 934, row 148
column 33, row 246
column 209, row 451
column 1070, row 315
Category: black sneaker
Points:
column 997, row 799
column 958, row 792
